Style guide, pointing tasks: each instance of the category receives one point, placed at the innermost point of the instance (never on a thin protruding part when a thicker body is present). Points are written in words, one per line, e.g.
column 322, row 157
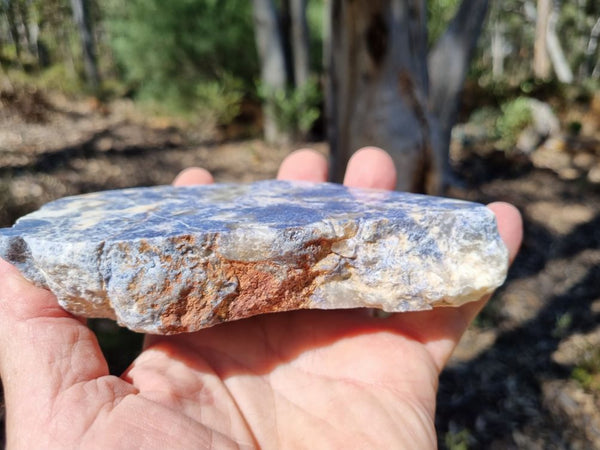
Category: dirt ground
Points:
column 518, row 379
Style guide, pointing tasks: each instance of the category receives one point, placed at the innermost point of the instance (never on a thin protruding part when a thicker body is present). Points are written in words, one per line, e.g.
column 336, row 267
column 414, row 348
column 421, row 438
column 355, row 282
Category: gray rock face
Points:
column 177, row 259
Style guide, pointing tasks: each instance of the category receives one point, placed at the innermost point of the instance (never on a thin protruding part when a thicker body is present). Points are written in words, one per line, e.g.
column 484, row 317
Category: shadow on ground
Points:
column 499, row 397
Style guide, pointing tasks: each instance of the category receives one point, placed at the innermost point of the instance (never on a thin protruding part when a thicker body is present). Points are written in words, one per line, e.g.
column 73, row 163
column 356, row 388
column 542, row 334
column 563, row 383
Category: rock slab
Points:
column 177, row 259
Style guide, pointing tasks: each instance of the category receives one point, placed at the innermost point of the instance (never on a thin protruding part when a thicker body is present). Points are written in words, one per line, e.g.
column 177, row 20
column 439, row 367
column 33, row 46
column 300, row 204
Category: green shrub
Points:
column 516, row 116
column 220, row 99
column 295, row 110
column 176, row 52
column 562, row 325
column 58, row 77
column 486, row 118
column 458, row 440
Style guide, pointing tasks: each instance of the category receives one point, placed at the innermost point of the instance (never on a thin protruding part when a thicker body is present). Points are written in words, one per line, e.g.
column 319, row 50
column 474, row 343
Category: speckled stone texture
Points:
column 176, row 259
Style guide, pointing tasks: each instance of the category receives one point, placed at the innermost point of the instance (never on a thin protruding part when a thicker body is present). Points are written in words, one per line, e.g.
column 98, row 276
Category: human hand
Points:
column 339, row 379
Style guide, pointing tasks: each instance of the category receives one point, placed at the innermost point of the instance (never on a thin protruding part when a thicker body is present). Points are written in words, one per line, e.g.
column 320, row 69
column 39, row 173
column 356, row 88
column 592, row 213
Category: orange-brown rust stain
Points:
column 262, row 291
column 262, row 287
column 185, row 314
column 192, row 306
column 144, row 246
column 176, row 318
column 186, row 241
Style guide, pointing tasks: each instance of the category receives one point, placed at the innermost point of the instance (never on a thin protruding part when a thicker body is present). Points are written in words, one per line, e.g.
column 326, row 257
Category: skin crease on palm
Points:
column 302, row 379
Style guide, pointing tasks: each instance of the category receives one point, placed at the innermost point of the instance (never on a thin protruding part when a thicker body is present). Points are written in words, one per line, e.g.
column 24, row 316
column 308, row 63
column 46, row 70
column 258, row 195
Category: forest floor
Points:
column 527, row 373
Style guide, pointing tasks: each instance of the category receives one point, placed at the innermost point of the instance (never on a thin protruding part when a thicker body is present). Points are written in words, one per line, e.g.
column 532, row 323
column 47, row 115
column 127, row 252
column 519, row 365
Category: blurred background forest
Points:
column 97, row 95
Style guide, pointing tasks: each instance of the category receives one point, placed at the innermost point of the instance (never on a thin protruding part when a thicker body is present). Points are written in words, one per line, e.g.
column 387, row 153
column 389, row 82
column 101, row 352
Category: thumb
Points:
column 43, row 349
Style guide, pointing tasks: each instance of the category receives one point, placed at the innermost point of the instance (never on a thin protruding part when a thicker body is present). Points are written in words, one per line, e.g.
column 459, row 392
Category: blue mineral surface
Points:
column 170, row 211
column 112, row 253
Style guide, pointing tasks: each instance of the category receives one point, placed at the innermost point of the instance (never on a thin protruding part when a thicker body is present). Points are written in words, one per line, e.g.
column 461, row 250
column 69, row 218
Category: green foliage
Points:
column 516, row 29
column 516, row 116
column 486, row 118
column 295, row 110
column 458, row 440
column 315, row 16
column 574, row 26
column 511, row 24
column 169, row 51
column 439, row 14
column 58, row 77
column 574, row 127
column 220, row 98
column 563, row 323
column 587, row 372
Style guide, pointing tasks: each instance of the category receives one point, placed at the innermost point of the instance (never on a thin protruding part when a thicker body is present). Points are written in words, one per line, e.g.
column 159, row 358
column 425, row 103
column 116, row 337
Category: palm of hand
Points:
column 275, row 381
column 298, row 379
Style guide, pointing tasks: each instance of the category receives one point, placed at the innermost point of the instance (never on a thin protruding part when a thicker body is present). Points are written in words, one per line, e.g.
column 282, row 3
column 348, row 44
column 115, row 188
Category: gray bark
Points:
column 448, row 65
column 591, row 47
column 379, row 87
column 299, row 38
column 284, row 16
column 81, row 18
column 272, row 60
column 24, row 25
column 378, row 84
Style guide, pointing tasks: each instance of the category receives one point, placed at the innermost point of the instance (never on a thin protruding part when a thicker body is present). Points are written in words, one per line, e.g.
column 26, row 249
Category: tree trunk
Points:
column 541, row 59
column 13, row 27
column 81, row 18
column 25, row 25
column 591, row 47
column 378, row 85
column 557, row 56
column 284, row 15
column 272, row 61
column 449, row 62
column 596, row 71
column 299, row 38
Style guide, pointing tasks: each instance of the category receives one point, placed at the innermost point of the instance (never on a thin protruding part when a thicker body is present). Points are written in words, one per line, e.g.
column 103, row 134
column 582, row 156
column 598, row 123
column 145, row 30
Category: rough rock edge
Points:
column 258, row 291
